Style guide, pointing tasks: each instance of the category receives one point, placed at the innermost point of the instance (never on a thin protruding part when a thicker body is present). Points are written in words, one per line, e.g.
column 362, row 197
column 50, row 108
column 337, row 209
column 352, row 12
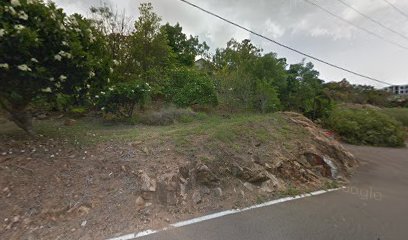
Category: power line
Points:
column 354, row 25
column 285, row 46
column 372, row 19
column 397, row 9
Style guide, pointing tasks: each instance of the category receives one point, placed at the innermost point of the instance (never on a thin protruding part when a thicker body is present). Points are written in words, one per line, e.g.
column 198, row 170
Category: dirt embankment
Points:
column 51, row 190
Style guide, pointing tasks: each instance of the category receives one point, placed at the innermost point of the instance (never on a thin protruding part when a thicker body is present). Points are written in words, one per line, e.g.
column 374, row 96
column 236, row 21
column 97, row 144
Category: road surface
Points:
column 374, row 207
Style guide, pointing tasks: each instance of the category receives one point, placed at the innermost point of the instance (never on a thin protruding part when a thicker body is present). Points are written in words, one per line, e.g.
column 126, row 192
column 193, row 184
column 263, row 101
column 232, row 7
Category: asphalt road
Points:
column 375, row 206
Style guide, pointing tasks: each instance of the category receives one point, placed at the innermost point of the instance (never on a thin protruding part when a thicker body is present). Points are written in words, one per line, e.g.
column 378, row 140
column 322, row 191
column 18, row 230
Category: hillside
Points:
column 90, row 180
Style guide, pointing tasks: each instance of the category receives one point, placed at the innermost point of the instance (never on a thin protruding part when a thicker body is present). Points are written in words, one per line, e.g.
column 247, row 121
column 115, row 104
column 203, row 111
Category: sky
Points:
column 295, row 23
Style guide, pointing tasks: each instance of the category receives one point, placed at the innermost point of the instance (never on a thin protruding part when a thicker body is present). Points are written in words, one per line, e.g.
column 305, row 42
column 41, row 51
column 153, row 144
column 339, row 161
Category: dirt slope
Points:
column 54, row 190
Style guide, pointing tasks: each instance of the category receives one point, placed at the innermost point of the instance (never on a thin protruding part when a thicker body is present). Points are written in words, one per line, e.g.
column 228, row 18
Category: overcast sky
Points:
column 295, row 23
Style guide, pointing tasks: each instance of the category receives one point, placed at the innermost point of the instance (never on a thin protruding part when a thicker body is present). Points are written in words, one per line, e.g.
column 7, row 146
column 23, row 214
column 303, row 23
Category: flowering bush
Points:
column 122, row 99
column 44, row 52
column 188, row 87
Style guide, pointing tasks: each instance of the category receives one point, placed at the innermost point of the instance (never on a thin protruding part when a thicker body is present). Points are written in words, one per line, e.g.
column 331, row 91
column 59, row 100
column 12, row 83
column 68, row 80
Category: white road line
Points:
column 221, row 214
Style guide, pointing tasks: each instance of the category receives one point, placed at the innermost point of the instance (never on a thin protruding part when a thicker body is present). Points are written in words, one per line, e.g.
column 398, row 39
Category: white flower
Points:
column 22, row 15
column 52, row 79
column 230, row 89
column 108, row 80
column 15, row 3
column 58, row 57
column 30, row 1
column 19, row 27
column 103, row 108
column 65, row 54
column 111, row 70
column 24, row 68
column 2, row 32
column 11, row 10
column 34, row 60
column 88, row 86
column 116, row 62
column 46, row 90
column 103, row 93
column 96, row 96
column 62, row 27
column 64, row 43
column 91, row 74
column 62, row 78
column 4, row 65
column 110, row 89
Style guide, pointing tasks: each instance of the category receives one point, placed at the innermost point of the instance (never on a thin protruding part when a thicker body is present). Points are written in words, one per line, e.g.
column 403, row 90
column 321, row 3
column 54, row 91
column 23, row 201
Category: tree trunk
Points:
column 23, row 119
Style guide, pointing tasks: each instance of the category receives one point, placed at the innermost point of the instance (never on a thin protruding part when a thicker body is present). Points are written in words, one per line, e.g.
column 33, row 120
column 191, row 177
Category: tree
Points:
column 42, row 53
column 149, row 50
column 304, row 92
column 115, row 26
column 249, row 79
column 185, row 49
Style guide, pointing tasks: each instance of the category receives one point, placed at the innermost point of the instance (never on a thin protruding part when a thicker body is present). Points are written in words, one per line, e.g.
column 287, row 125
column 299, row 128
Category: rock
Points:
column 218, row 192
column 83, row 210
column 183, row 191
column 140, row 202
column 196, row 197
column 148, row 184
column 259, row 177
column 16, row 219
column 168, row 188
column 237, row 170
column 146, row 150
column 70, row 122
column 42, row 116
column 205, row 190
column 83, row 224
column 249, row 186
column 205, row 176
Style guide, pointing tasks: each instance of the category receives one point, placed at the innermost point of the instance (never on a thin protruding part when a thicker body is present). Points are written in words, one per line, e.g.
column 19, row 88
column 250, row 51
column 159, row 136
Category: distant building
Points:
column 398, row 89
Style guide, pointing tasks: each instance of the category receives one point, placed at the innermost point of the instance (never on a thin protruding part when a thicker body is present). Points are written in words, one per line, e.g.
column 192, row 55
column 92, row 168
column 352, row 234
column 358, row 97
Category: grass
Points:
column 233, row 131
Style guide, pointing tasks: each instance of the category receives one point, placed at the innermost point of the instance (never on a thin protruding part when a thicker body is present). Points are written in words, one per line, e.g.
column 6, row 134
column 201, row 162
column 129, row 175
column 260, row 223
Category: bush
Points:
column 399, row 114
column 366, row 126
column 188, row 87
column 121, row 100
column 266, row 98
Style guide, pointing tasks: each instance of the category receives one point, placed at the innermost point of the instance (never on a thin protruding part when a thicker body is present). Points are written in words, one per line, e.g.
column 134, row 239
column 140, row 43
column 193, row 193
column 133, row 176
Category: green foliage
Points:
column 187, row 87
column 248, row 80
column 345, row 92
column 366, row 126
column 150, row 55
column 399, row 114
column 304, row 92
column 121, row 99
column 266, row 98
column 43, row 53
column 185, row 49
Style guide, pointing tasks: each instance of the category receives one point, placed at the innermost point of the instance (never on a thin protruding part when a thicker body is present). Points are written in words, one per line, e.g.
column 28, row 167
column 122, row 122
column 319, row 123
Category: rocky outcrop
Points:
column 261, row 171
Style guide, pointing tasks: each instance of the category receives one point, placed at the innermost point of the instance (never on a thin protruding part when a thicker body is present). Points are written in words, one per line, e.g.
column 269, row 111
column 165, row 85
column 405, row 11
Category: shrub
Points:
column 121, row 99
column 188, row 87
column 366, row 126
column 399, row 114
column 266, row 98
column 44, row 52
